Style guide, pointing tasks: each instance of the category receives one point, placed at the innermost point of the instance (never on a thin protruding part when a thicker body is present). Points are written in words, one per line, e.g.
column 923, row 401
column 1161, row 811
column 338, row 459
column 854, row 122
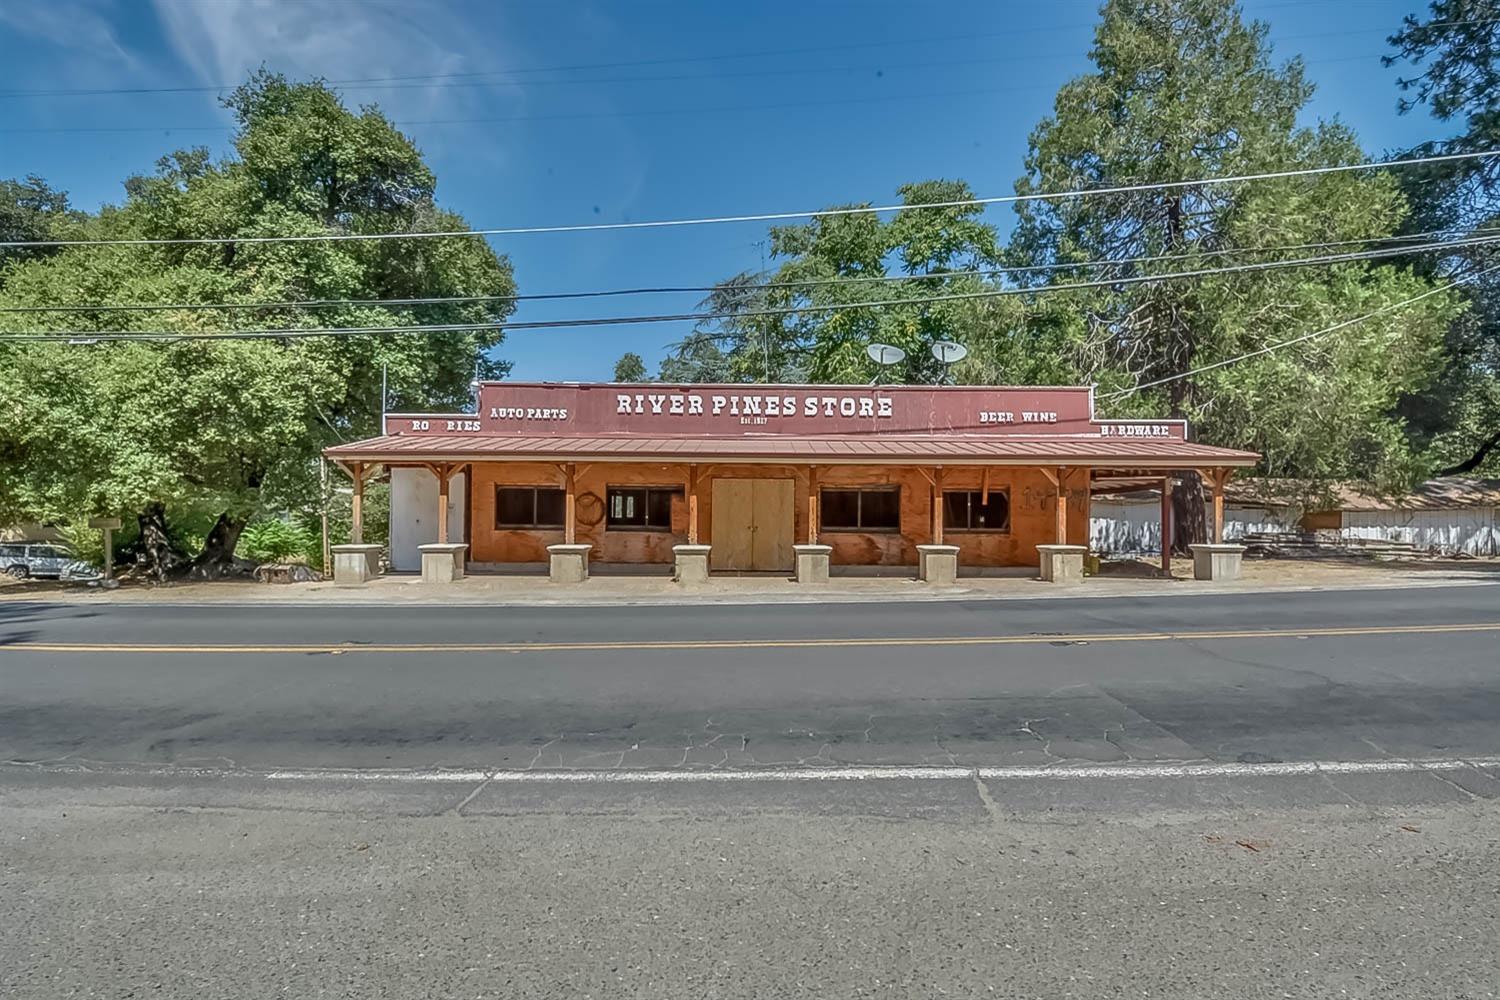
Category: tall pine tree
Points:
column 1186, row 90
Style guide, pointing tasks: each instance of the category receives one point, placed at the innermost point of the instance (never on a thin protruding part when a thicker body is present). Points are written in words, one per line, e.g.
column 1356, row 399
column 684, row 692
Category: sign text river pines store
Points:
column 545, row 409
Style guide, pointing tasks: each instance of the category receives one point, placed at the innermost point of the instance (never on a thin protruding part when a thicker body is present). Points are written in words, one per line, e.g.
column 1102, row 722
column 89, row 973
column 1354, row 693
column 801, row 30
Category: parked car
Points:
column 43, row 560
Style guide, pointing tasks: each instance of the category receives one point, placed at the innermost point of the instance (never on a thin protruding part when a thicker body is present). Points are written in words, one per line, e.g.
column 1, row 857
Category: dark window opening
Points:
column 645, row 507
column 529, row 507
column 968, row 511
column 877, row 509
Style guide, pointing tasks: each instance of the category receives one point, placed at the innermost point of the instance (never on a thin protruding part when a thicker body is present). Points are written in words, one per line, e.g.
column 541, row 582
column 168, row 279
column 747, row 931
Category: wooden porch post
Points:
column 443, row 472
column 1219, row 478
column 570, row 503
column 1166, row 525
column 692, row 502
column 812, row 505
column 937, row 507
column 357, row 504
column 1062, row 506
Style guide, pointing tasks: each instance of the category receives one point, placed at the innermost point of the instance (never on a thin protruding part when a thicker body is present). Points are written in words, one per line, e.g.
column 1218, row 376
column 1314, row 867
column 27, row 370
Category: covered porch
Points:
column 806, row 520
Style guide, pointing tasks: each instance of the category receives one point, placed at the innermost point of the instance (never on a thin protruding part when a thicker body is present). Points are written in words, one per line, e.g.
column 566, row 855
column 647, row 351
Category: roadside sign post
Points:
column 108, row 526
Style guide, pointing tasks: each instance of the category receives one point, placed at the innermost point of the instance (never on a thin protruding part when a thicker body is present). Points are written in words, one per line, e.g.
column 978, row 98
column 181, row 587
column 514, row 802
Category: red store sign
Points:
column 729, row 410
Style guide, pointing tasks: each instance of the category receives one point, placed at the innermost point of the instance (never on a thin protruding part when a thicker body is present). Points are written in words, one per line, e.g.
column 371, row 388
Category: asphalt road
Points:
column 638, row 801
column 1281, row 677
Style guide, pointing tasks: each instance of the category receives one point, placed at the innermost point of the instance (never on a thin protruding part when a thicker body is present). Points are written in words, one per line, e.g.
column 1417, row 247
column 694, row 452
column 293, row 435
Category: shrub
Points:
column 277, row 541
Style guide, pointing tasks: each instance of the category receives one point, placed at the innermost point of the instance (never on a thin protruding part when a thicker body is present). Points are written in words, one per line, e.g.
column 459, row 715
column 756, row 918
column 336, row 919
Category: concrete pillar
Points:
column 443, row 562
column 812, row 562
column 570, row 563
column 937, row 564
column 1216, row 562
column 691, row 564
column 1062, row 563
column 354, row 564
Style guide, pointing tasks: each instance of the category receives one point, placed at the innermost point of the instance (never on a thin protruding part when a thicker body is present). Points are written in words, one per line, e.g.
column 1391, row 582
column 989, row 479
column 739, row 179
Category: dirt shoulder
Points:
column 1136, row 578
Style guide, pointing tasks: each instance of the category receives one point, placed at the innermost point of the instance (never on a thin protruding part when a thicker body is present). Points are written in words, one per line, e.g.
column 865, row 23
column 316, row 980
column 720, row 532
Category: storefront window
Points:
column 529, row 507
column 874, row 509
column 968, row 511
column 648, row 507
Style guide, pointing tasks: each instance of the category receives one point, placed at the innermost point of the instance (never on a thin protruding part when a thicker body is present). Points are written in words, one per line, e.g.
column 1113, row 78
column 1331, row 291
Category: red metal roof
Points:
column 903, row 449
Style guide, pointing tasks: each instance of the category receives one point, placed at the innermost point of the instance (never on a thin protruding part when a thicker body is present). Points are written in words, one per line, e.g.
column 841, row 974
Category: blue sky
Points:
column 879, row 94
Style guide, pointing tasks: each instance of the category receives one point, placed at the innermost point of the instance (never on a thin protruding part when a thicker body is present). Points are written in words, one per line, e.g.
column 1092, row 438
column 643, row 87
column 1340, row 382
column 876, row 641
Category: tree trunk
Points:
column 217, row 558
column 156, row 557
column 1188, row 513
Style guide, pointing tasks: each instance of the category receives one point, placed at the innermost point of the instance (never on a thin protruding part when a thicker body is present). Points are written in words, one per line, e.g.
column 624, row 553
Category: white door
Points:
column 414, row 500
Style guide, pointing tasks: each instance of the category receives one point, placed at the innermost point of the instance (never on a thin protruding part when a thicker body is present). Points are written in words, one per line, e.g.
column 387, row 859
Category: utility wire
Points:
column 669, row 61
column 566, row 116
column 766, row 216
column 430, row 78
column 585, row 115
column 1304, row 338
column 1472, row 238
column 298, row 333
column 569, row 116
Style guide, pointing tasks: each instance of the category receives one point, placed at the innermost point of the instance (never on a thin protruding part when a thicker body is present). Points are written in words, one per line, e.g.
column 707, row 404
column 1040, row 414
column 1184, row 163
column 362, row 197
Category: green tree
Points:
column 630, row 368
column 30, row 210
column 1455, row 53
column 804, row 321
column 234, row 427
column 1185, row 90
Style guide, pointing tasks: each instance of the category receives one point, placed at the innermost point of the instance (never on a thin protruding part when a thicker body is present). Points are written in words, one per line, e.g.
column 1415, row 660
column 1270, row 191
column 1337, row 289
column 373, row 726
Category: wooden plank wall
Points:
column 1031, row 496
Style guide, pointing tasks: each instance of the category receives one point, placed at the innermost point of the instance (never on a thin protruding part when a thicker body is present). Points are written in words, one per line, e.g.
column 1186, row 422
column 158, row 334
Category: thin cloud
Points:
column 222, row 43
column 81, row 28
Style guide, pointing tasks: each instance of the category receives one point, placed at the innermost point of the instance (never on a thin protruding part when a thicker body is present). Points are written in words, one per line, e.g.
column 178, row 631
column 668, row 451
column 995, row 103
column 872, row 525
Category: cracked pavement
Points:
column 144, row 851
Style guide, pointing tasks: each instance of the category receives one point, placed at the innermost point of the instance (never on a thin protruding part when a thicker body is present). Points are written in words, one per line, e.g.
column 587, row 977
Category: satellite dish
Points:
column 884, row 355
column 949, row 353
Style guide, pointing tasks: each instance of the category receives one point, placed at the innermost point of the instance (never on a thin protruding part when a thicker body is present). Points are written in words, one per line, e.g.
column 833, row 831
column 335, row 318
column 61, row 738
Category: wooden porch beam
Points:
column 444, row 477
column 692, row 505
column 357, row 504
column 1061, row 481
column 813, row 499
column 936, row 493
column 570, row 503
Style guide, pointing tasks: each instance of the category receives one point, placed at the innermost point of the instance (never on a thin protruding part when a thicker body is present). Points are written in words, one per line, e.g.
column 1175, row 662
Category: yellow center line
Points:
column 731, row 644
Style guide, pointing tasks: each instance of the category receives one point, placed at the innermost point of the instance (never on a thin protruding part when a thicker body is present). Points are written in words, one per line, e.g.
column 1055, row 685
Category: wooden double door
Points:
column 753, row 524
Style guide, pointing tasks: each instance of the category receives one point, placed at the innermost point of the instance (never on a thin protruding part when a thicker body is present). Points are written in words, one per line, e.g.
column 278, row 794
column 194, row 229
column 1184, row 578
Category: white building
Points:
column 1449, row 516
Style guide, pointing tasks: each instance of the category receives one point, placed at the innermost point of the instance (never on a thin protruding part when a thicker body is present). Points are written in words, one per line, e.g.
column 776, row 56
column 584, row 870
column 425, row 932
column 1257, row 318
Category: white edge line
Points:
column 876, row 773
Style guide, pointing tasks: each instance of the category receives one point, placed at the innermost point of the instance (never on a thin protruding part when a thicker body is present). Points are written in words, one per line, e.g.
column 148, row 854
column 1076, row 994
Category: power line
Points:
column 1471, row 239
column 571, row 116
column 299, row 333
column 1305, row 337
column 765, row 216
column 507, row 76
column 585, row 115
column 667, row 61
